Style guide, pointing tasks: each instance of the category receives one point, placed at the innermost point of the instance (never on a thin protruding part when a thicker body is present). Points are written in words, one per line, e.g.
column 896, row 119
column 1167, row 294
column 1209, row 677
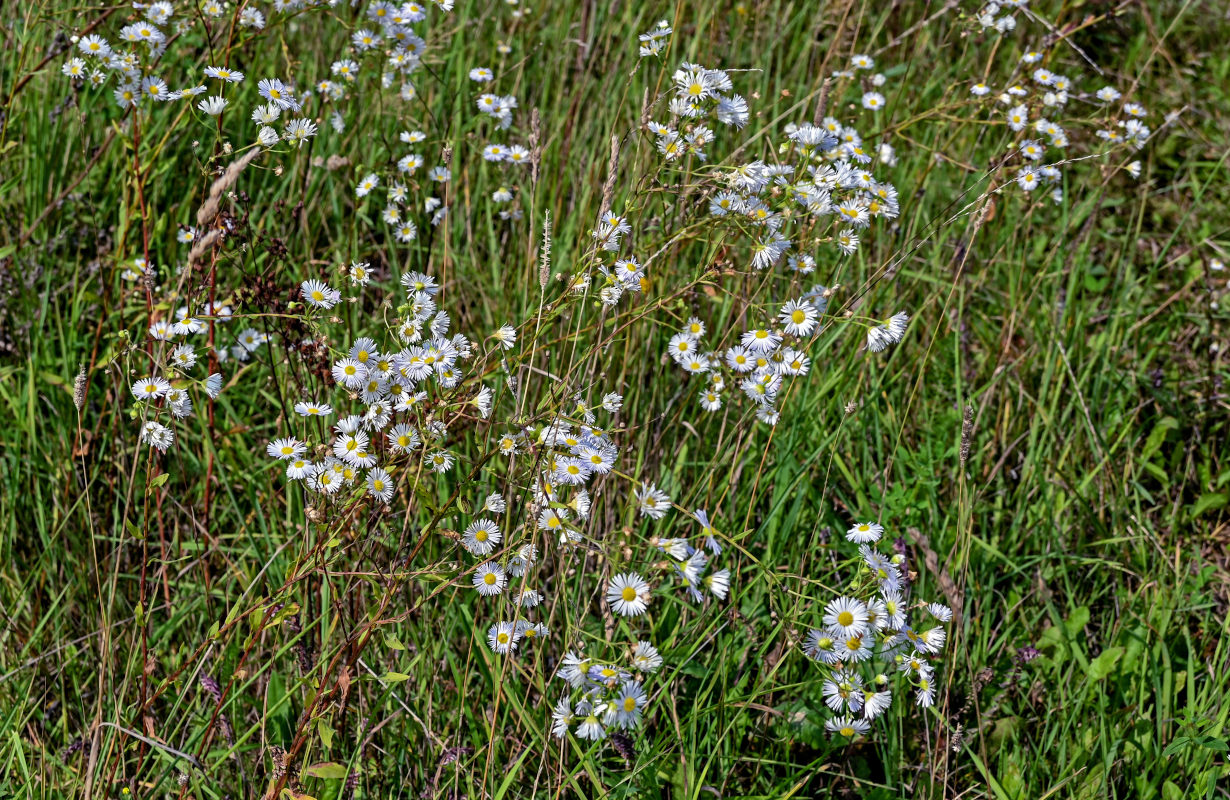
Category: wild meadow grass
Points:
column 569, row 399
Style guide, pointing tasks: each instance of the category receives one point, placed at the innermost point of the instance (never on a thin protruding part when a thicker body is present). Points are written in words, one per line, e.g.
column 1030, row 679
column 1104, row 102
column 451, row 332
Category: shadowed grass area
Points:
column 186, row 606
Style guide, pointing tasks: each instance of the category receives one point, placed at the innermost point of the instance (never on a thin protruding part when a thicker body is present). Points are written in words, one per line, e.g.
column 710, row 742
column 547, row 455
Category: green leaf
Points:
column 1104, row 664
column 394, row 677
column 393, row 642
column 1157, row 436
column 1208, row 502
column 158, row 480
column 1076, row 621
column 327, row 769
column 1177, row 746
column 326, row 733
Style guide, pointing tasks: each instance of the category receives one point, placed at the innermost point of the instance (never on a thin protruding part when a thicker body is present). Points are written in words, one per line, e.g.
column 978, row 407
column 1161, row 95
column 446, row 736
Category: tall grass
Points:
column 1044, row 445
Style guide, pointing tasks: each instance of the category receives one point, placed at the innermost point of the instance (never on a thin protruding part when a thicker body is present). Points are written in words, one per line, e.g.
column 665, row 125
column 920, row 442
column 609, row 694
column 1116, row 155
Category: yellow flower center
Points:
column 628, row 594
column 489, row 579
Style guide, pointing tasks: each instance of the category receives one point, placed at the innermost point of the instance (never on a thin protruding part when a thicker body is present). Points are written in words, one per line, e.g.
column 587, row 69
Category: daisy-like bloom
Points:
column 843, row 689
column 403, row 438
column 925, row 696
column 573, row 668
column 162, row 330
column 855, row 648
column 379, row 484
column 528, row 598
column 360, row 273
column 940, row 611
column 718, row 583
column 710, row 401
column 481, row 75
column 628, row 594
column 915, row 664
column 894, row 609
column 213, row 385
column 561, row 718
column 157, row 436
column 1018, row 118
column 897, row 324
column 846, row 617
column 767, row 252
column 406, row 232
column 632, row 699
column 1031, row 150
column 891, row 332
column 367, row 184
column 876, row 703
column 506, row 336
column 682, row 345
column 502, row 637
column 278, row 93
column 155, row 88
column 286, row 449
column 305, row 409
column 761, row 340
column 738, row 359
column 1108, row 94
column 150, row 388
column 821, row 647
column 481, row 537
column 318, row 294
column 495, row 503
column 865, row 532
column 267, row 136
column 224, row 74
column 652, row 501
column 873, row 101
column 1028, row 179
column 94, row 46
column 440, row 461
column 931, row 641
column 552, row 520
column 127, row 94
column 798, row 318
column 212, row 105
column 645, row 657
column 350, row 373
column 848, row 727
column 489, row 579
column 979, row 89
column 298, row 469
column 73, row 68
column 298, row 131
column 590, row 727
column 350, row 447
column 183, row 357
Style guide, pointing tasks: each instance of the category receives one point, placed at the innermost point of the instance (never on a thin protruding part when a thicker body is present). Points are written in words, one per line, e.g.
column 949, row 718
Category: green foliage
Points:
column 1089, row 522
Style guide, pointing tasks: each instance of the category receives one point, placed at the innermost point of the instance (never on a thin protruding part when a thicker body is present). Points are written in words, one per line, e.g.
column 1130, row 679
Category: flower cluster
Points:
column 867, row 636
column 603, row 696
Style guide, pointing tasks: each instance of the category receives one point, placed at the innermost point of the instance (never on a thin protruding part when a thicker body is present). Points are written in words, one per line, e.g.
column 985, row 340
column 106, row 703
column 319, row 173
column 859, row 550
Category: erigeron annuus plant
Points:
column 872, row 638
column 392, row 403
